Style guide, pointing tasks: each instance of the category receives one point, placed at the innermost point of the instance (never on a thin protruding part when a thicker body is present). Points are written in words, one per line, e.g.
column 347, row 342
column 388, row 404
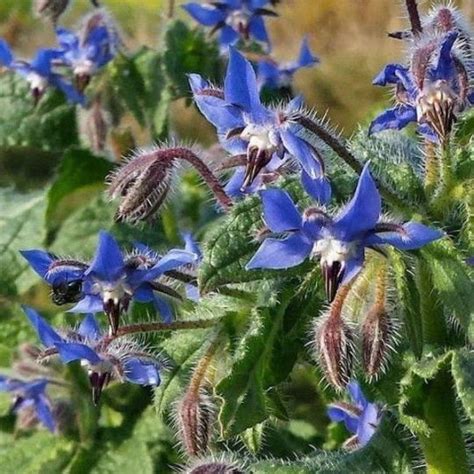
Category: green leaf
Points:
column 261, row 361
column 51, row 125
column 188, row 51
column 39, row 453
column 80, row 176
column 463, row 375
column 451, row 280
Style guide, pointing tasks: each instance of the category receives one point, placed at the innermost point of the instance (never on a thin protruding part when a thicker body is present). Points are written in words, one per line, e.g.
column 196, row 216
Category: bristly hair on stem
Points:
column 144, row 181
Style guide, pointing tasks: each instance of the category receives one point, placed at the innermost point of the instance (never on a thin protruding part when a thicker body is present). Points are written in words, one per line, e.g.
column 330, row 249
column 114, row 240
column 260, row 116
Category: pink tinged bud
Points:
column 377, row 336
column 334, row 342
column 215, row 468
column 195, row 416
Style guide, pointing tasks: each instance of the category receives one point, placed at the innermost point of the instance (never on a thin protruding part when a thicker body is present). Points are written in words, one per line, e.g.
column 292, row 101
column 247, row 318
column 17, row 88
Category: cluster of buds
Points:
column 334, row 339
column 143, row 182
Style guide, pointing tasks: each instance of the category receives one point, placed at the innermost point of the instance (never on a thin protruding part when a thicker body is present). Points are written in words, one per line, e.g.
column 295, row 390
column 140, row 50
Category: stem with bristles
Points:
column 414, row 16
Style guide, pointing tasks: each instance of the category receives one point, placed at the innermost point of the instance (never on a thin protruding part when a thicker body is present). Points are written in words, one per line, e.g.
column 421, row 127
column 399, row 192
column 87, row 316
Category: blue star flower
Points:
column 246, row 126
column 89, row 50
column 105, row 360
column 339, row 241
column 29, row 394
column 431, row 92
column 236, row 19
column 361, row 417
column 191, row 246
column 39, row 72
column 275, row 76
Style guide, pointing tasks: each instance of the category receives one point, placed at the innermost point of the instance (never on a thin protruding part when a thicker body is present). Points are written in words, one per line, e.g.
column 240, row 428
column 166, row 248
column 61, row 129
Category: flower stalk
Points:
column 414, row 15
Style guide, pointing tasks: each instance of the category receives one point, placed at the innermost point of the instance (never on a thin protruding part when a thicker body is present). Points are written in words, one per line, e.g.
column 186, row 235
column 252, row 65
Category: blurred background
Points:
column 349, row 36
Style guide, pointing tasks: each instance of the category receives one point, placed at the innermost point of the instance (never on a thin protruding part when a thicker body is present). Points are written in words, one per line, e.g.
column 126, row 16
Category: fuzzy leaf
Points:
column 463, row 374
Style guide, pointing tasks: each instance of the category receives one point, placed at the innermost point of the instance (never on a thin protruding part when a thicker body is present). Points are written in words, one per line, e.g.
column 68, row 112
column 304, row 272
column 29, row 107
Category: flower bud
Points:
column 50, row 9
column 334, row 344
column 217, row 467
column 195, row 415
column 377, row 335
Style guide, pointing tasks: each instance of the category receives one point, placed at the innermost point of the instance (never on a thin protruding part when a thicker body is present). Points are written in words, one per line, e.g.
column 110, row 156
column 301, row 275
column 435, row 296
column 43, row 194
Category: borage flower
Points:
column 39, row 72
column 431, row 92
column 236, row 19
column 87, row 51
column 29, row 395
column 360, row 417
column 113, row 279
column 276, row 76
column 339, row 241
column 246, row 127
column 104, row 359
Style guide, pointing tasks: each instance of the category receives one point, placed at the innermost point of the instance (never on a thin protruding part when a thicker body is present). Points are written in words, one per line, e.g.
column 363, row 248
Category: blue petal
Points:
column 353, row 266
column 445, row 67
column 395, row 118
column 191, row 245
column 228, row 36
column 368, row 423
column 413, row 236
column 88, row 304
column 192, row 292
column 257, row 29
column 356, row 394
column 164, row 309
column 34, row 389
column 47, row 335
column 205, row 14
column 338, row 413
column 302, row 152
column 234, row 185
column 108, row 264
column 396, row 74
column 318, row 188
column 240, row 86
column 306, row 57
column 279, row 211
column 428, row 132
column 268, row 74
column 43, row 411
column 67, row 39
column 43, row 59
column 278, row 254
column 89, row 328
column 362, row 212
column 39, row 261
column 71, row 93
column 140, row 372
column 70, row 351
column 173, row 259
column 6, row 56
column 254, row 4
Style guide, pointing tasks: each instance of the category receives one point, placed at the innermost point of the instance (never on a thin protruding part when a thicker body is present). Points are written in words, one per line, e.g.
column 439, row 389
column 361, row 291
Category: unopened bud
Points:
column 215, row 468
column 50, row 9
column 334, row 343
column 195, row 415
column 377, row 335
column 94, row 125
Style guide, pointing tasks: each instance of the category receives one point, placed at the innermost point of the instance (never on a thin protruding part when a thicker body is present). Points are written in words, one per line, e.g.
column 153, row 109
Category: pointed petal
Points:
column 395, row 74
column 278, row 254
column 39, row 261
column 191, row 245
column 368, row 423
column 306, row 57
column 89, row 328
column 70, row 352
column 205, row 14
column 395, row 118
column 44, row 413
column 362, row 212
column 47, row 335
column 228, row 36
column 240, row 86
column 318, row 188
column 279, row 211
column 164, row 309
column 140, row 372
column 445, row 67
column 302, row 152
column 173, row 259
column 258, row 30
column 356, row 393
column 108, row 264
column 6, row 56
column 353, row 267
column 342, row 412
column 88, row 304
column 413, row 236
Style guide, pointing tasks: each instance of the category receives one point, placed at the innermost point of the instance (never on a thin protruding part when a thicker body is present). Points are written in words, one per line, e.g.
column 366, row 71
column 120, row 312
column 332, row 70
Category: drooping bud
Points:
column 142, row 184
column 334, row 343
column 215, row 467
column 94, row 125
column 377, row 335
column 195, row 415
column 50, row 9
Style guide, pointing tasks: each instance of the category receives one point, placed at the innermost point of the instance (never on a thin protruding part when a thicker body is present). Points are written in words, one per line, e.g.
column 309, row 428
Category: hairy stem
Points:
column 202, row 367
column 214, row 185
column 431, row 167
column 414, row 16
column 338, row 301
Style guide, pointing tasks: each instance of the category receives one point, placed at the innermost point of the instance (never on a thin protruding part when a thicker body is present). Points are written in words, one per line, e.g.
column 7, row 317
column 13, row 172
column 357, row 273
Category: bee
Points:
column 66, row 292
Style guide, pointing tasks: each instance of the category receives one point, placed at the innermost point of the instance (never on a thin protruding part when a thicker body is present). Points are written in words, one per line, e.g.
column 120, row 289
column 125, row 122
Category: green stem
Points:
column 431, row 168
column 442, row 196
column 444, row 449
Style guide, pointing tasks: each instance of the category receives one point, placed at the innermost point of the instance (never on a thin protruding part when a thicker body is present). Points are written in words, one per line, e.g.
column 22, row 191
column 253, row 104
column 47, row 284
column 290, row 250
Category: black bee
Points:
column 66, row 292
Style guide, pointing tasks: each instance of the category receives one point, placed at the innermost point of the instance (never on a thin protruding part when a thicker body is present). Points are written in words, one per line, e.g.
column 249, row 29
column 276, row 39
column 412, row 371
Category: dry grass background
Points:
column 348, row 35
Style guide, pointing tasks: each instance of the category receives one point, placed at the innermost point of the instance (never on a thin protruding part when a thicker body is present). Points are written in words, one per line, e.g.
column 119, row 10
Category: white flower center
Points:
column 37, row 82
column 259, row 137
column 103, row 367
column 84, row 67
column 114, row 292
column 331, row 250
column 238, row 19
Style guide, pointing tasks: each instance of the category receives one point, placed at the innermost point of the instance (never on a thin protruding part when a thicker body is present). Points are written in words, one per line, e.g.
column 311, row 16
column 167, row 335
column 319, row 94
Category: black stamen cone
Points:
column 332, row 275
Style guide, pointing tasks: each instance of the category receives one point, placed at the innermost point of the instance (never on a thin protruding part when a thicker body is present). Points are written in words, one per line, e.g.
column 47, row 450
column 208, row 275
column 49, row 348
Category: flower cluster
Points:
column 79, row 54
